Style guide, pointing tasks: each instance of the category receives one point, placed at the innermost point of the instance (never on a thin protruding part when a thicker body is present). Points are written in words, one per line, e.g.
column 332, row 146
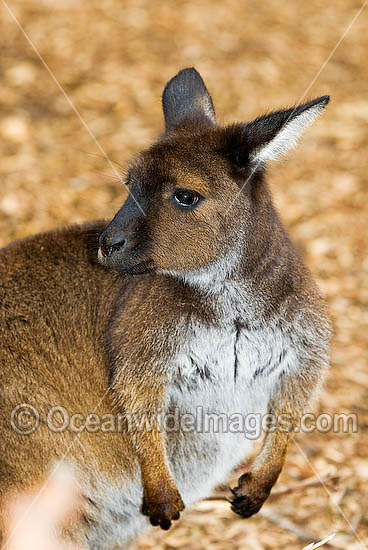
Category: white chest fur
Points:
column 225, row 374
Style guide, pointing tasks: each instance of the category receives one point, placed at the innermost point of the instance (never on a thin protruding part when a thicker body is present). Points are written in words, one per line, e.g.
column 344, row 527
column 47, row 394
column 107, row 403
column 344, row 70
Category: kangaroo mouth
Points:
column 141, row 268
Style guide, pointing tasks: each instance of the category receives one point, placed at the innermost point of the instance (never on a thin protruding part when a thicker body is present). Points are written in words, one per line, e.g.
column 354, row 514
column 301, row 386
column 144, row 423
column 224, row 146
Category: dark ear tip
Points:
column 188, row 70
column 322, row 101
column 325, row 99
column 190, row 74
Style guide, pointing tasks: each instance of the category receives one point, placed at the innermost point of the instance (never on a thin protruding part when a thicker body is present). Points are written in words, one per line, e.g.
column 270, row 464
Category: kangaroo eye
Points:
column 186, row 198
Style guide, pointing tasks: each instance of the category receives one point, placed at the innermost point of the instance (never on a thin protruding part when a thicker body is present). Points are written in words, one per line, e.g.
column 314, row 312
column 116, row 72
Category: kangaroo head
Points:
column 197, row 197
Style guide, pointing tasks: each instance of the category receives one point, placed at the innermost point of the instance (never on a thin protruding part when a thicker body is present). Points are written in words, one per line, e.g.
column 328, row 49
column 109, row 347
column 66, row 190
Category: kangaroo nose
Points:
column 109, row 245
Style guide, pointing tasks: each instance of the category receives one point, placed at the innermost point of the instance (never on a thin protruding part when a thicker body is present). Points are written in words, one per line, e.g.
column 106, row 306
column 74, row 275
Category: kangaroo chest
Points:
column 232, row 366
column 222, row 381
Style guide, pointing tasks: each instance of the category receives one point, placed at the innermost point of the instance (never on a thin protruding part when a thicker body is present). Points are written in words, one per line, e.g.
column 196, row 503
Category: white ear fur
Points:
column 288, row 136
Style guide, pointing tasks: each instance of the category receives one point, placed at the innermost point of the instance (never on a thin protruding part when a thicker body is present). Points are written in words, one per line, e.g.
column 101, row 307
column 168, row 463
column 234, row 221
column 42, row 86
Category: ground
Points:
column 112, row 59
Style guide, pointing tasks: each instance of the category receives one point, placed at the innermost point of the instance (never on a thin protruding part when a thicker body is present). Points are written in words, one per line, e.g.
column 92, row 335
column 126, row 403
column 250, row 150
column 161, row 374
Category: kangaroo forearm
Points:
column 143, row 404
column 161, row 499
column 143, row 401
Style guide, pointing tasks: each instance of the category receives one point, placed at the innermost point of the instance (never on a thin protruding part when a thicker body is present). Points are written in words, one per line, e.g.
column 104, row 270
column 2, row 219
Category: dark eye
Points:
column 186, row 198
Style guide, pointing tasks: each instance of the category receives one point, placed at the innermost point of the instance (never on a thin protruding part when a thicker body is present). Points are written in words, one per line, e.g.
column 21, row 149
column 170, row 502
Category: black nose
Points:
column 109, row 245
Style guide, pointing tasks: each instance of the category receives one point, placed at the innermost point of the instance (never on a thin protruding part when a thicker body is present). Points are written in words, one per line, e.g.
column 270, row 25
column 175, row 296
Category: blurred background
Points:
column 113, row 58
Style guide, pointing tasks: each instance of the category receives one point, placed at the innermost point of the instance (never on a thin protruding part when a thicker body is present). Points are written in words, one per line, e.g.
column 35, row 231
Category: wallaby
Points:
column 192, row 298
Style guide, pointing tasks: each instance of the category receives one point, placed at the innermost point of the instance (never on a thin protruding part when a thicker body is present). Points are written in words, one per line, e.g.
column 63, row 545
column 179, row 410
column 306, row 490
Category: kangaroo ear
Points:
column 186, row 97
column 275, row 134
column 272, row 135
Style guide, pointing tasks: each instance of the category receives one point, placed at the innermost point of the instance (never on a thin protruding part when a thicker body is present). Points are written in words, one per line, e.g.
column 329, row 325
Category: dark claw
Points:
column 162, row 514
column 246, row 506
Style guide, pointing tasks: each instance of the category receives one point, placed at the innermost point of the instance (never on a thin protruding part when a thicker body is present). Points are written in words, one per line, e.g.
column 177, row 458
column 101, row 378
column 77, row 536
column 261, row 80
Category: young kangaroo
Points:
column 193, row 298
